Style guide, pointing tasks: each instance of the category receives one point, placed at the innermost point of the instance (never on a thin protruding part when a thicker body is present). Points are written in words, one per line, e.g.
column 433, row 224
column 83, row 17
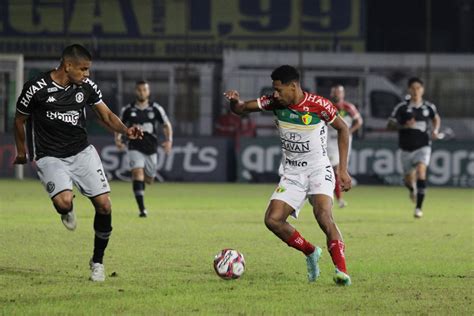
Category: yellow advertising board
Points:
column 179, row 29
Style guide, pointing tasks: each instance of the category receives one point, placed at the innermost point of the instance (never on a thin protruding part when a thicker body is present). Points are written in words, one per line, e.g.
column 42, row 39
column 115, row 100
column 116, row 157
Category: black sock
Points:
column 420, row 192
column 139, row 191
column 409, row 187
column 103, row 230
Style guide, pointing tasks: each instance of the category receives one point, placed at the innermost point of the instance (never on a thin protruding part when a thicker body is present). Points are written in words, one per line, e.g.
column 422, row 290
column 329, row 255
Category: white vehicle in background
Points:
column 375, row 83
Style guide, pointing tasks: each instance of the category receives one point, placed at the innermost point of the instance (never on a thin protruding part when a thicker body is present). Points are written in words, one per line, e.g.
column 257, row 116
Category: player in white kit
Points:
column 305, row 170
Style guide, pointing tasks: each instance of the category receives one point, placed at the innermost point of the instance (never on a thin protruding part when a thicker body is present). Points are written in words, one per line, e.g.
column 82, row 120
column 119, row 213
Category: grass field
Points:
column 163, row 264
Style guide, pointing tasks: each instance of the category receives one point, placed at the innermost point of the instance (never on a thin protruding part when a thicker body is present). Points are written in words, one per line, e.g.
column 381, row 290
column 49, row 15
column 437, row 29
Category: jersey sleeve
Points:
column 161, row 117
column 326, row 110
column 396, row 113
column 125, row 115
column 94, row 93
column 266, row 103
column 24, row 103
column 433, row 110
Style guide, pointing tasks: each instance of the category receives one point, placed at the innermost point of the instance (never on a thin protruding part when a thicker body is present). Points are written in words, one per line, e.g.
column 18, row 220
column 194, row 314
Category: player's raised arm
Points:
column 343, row 145
column 238, row 106
column 113, row 122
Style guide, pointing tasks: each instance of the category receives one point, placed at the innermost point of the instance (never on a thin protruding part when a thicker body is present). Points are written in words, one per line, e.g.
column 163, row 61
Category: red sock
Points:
column 298, row 242
column 336, row 249
column 337, row 189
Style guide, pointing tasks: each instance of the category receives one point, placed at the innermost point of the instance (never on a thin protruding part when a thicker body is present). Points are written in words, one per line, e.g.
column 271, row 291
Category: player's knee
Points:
column 272, row 223
column 104, row 208
column 63, row 206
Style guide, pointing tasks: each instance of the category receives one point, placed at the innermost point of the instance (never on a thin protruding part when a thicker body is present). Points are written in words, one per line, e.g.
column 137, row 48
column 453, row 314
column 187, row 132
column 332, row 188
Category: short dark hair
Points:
column 285, row 74
column 76, row 51
column 412, row 80
column 140, row 82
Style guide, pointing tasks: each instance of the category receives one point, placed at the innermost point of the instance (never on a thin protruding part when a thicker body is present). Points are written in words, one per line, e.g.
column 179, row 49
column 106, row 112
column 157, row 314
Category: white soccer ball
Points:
column 229, row 264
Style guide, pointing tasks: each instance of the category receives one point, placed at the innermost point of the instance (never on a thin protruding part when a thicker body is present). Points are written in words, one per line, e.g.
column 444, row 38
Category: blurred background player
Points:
column 305, row 170
column 142, row 153
column 351, row 116
column 55, row 102
column 417, row 122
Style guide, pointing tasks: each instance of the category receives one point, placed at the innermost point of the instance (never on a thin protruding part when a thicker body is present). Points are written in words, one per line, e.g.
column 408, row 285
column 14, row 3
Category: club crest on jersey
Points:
column 307, row 118
column 50, row 187
column 79, row 97
column 151, row 115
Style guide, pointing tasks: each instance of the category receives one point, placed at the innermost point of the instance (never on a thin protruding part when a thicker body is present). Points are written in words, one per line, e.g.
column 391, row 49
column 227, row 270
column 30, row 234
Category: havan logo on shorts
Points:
column 68, row 117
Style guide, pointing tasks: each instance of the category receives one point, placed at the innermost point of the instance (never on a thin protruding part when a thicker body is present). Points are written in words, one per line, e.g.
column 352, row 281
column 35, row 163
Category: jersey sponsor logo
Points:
column 307, row 118
column 146, row 127
column 329, row 173
column 25, row 101
column 325, row 115
column 51, row 99
column 326, row 105
column 52, row 89
column 295, row 147
column 67, row 117
column 295, row 163
column 79, row 97
column 290, row 136
column 94, row 86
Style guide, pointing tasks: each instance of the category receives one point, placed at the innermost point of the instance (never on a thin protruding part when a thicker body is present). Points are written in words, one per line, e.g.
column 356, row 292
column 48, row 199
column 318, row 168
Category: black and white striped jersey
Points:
column 57, row 114
column 149, row 119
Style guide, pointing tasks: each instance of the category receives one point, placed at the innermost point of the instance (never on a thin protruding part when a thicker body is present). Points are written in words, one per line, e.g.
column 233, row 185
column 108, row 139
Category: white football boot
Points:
column 69, row 220
column 418, row 213
column 97, row 271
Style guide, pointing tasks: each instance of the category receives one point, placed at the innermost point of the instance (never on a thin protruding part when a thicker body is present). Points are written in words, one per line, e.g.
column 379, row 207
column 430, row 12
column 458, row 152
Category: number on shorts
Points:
column 101, row 173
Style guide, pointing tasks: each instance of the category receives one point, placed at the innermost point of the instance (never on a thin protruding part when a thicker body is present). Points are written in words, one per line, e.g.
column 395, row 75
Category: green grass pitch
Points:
column 163, row 264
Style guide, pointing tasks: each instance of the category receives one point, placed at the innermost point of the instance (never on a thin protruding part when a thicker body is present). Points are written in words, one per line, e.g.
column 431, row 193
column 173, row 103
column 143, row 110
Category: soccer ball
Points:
column 229, row 264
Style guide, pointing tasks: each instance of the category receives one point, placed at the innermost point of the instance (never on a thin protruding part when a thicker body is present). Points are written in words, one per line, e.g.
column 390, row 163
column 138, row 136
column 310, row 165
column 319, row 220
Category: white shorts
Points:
column 140, row 160
column 410, row 159
column 83, row 169
column 294, row 189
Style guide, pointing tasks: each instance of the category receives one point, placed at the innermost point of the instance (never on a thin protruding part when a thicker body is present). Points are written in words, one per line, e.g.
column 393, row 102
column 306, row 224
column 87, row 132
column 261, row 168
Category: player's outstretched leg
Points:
column 139, row 191
column 275, row 220
column 420, row 196
column 103, row 230
column 410, row 185
column 64, row 206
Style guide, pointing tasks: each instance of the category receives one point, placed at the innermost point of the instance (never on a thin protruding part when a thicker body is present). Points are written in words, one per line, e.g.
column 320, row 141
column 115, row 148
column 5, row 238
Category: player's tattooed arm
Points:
column 114, row 123
column 238, row 106
column 20, row 135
